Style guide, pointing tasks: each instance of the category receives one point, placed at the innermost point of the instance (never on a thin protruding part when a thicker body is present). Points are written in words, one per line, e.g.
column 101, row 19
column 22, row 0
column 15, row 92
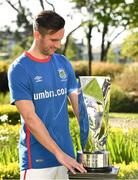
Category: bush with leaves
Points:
column 12, row 113
column 120, row 101
column 128, row 79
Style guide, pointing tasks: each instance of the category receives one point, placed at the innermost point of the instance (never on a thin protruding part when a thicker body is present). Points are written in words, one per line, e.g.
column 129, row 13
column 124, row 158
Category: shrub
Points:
column 3, row 76
column 128, row 79
column 12, row 113
column 98, row 68
column 120, row 101
column 10, row 171
column 5, row 98
column 129, row 171
column 4, row 66
column 9, row 137
column 70, row 111
column 106, row 69
column 80, row 67
column 123, row 145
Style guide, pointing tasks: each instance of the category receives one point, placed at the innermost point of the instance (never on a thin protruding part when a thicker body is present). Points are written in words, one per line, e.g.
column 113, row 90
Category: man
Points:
column 40, row 82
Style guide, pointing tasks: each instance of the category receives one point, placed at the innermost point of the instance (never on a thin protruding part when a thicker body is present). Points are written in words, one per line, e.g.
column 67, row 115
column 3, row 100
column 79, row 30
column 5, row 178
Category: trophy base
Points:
column 97, row 161
column 99, row 170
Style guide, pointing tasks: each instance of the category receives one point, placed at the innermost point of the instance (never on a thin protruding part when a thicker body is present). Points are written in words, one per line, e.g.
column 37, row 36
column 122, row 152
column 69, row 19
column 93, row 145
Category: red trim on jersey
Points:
column 28, row 147
column 24, row 177
column 37, row 59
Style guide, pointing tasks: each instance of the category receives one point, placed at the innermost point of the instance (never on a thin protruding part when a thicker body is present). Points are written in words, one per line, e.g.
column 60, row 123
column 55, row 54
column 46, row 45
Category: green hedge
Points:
column 3, row 76
column 129, row 171
column 11, row 171
column 98, row 68
column 121, row 101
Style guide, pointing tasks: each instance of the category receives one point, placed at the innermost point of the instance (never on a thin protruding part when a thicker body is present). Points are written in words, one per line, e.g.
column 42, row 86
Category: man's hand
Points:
column 70, row 163
column 82, row 161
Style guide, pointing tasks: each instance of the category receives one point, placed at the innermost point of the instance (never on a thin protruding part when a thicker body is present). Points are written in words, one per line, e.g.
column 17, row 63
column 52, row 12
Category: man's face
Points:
column 49, row 43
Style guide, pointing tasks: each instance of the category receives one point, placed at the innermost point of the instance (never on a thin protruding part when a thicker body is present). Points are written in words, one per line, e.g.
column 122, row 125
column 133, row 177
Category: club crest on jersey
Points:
column 62, row 73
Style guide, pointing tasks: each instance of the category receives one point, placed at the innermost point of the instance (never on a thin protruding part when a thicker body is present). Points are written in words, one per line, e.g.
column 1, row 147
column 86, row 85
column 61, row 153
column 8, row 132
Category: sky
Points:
column 64, row 8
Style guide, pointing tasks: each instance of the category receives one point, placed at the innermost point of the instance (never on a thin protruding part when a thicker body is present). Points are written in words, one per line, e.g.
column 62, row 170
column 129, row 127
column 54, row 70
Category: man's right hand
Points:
column 70, row 163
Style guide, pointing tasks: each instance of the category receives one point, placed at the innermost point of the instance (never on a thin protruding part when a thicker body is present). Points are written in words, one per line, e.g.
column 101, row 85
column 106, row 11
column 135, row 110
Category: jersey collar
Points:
column 37, row 59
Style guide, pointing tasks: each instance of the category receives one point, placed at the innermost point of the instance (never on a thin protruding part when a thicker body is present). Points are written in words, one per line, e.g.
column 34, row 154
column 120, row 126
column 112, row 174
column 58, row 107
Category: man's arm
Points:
column 37, row 128
column 74, row 102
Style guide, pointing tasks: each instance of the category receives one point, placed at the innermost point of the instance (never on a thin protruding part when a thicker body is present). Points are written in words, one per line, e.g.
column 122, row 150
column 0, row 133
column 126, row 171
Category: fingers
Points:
column 70, row 163
column 78, row 167
column 72, row 170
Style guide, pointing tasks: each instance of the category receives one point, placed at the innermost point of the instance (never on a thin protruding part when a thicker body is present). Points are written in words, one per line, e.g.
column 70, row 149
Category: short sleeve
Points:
column 72, row 81
column 18, row 82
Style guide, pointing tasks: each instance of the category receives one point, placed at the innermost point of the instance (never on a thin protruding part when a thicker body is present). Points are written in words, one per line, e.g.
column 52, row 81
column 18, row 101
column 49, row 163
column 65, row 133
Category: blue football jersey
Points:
column 47, row 83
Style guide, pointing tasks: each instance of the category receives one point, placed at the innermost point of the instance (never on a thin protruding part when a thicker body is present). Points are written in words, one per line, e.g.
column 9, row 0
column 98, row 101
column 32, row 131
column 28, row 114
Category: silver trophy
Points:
column 96, row 97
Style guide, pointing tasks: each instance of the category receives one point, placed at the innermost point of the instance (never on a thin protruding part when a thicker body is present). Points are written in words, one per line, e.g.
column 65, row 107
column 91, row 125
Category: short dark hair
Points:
column 48, row 22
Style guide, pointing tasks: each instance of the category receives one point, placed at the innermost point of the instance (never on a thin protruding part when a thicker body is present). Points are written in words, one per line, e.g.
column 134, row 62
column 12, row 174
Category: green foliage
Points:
column 130, row 74
column 120, row 101
column 9, row 137
column 17, row 50
column 123, row 145
column 129, row 171
column 98, row 68
column 108, row 13
column 71, row 49
column 9, row 134
column 106, row 69
column 4, row 65
column 80, row 67
column 128, row 116
column 4, row 98
column 11, row 112
column 130, row 47
column 10, row 171
column 70, row 111
column 111, row 56
column 75, row 133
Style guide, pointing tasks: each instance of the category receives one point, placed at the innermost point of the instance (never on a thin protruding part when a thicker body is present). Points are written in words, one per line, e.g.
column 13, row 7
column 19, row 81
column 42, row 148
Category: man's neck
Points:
column 34, row 51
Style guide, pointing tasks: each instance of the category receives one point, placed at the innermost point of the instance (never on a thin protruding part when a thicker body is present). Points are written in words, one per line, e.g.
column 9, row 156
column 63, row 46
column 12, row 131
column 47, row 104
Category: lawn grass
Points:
column 130, row 116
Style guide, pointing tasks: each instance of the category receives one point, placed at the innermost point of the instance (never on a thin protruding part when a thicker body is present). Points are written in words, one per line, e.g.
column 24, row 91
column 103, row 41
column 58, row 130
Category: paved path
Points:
column 123, row 123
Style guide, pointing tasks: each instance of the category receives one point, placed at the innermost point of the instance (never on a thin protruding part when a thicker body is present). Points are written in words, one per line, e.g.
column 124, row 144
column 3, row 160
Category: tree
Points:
column 72, row 49
column 130, row 47
column 109, row 14
column 89, row 24
column 24, row 20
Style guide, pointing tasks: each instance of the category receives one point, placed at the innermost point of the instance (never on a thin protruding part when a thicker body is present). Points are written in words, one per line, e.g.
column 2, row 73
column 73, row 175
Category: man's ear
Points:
column 36, row 35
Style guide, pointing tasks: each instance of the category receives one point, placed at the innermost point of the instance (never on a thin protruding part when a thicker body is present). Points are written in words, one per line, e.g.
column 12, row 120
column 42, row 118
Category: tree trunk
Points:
column 90, row 55
column 106, row 50
column 105, row 29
